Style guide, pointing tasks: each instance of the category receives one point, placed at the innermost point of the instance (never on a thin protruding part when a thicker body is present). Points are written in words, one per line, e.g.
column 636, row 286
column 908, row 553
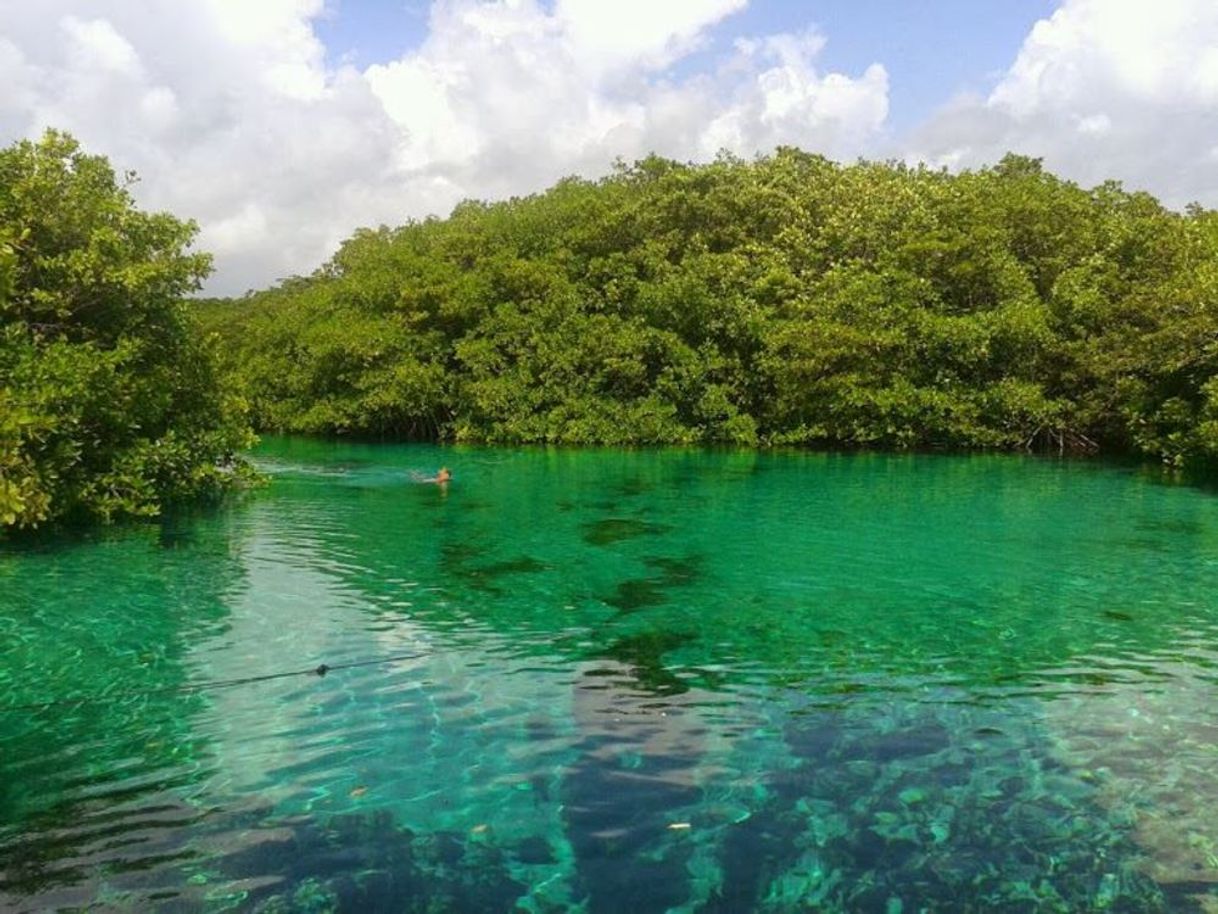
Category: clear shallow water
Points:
column 641, row 681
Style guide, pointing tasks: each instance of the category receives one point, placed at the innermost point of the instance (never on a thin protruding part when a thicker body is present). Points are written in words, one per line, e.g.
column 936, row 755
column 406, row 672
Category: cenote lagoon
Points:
column 604, row 680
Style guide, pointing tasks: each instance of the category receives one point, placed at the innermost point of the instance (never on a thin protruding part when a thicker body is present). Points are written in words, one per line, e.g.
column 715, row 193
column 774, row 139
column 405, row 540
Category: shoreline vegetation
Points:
column 786, row 300
column 111, row 401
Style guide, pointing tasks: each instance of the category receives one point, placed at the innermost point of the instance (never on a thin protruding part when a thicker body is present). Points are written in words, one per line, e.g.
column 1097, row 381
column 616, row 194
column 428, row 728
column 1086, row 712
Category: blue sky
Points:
column 933, row 50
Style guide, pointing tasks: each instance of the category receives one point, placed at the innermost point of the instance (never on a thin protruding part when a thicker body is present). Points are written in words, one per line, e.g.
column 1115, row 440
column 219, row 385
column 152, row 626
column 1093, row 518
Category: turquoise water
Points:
column 621, row 681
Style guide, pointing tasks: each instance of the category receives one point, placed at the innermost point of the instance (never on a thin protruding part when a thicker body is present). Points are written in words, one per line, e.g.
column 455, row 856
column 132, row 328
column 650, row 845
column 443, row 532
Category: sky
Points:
column 280, row 126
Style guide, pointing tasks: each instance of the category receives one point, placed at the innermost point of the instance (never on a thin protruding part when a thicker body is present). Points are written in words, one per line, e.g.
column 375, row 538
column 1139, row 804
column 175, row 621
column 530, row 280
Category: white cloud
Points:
column 232, row 115
column 225, row 109
column 1102, row 89
column 508, row 95
column 1097, row 124
column 95, row 45
column 789, row 103
column 615, row 35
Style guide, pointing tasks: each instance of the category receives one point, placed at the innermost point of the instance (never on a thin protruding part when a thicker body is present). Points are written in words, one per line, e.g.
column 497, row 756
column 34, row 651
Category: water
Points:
column 624, row 681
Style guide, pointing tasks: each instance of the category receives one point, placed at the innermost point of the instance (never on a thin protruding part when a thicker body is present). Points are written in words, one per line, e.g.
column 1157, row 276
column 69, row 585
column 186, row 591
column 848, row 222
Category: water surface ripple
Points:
column 621, row 681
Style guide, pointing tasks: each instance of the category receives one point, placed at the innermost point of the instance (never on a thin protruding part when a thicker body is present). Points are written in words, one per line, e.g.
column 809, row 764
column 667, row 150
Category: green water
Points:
column 625, row 681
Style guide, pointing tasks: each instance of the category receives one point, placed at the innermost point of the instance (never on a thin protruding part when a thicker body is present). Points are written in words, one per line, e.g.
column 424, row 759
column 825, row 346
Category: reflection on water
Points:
column 644, row 681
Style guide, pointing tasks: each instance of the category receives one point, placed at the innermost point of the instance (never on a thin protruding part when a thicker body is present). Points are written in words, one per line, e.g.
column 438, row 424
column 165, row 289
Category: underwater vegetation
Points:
column 612, row 530
column 874, row 809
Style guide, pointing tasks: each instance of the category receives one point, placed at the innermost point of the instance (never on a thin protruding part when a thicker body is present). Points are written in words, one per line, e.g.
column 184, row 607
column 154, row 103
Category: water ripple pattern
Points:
column 598, row 680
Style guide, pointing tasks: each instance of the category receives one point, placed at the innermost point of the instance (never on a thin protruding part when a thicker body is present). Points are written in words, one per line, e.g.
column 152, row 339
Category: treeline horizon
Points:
column 786, row 300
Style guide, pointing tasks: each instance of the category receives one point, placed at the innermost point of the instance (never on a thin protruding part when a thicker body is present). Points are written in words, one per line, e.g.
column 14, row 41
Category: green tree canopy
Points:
column 110, row 400
column 784, row 300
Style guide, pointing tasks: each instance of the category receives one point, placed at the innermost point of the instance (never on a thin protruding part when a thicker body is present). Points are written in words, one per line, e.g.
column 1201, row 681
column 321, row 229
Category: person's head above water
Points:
column 444, row 475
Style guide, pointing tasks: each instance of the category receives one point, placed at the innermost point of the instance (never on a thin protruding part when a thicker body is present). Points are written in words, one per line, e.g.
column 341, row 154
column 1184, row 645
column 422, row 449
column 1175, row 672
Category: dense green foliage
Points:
column 785, row 300
column 110, row 401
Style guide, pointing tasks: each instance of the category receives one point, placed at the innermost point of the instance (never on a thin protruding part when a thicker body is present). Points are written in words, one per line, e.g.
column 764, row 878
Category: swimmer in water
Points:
column 442, row 477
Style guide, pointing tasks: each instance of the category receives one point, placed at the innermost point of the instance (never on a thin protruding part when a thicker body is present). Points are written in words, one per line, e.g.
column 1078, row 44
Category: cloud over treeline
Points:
column 234, row 115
